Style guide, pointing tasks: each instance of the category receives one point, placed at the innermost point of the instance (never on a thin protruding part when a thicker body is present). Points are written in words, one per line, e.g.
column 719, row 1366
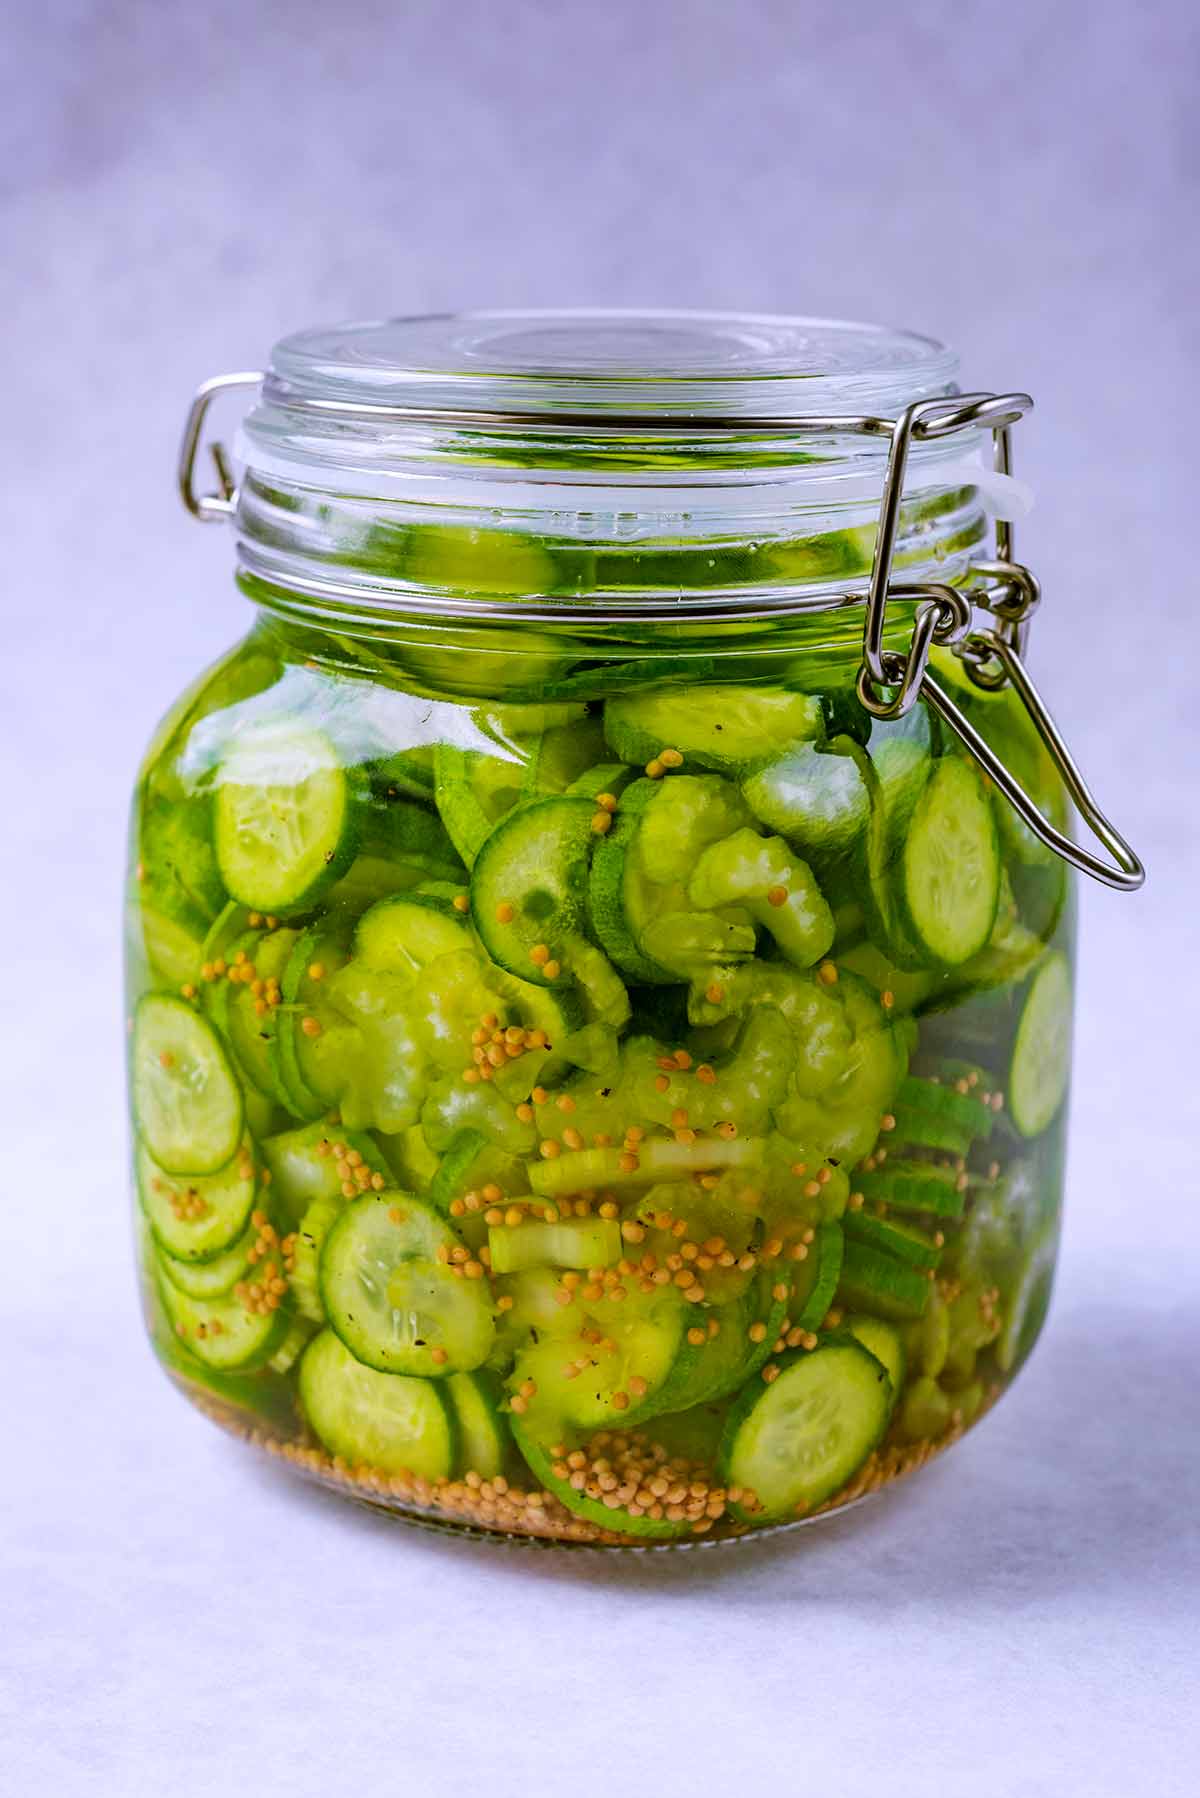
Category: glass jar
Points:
column 600, row 1032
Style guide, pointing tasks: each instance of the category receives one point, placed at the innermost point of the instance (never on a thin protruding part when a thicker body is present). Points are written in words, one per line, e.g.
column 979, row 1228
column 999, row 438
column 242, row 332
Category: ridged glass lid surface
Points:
column 639, row 362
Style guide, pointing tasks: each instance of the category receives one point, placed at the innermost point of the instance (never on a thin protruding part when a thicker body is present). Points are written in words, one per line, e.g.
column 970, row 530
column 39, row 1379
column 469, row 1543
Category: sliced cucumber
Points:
column 1041, row 1058
column 949, row 879
column 720, row 727
column 397, row 1306
column 239, row 1329
column 543, row 1464
column 198, row 1216
column 872, row 1280
column 584, row 1380
column 883, row 1341
column 797, row 1441
column 186, row 1099
column 816, row 1278
column 474, row 791
column 915, row 1186
column 386, row 1421
column 574, row 1242
column 319, row 1161
column 483, row 1437
column 286, row 818
column 902, row 1240
column 210, row 1279
column 1027, row 1300
column 529, row 886
column 403, row 934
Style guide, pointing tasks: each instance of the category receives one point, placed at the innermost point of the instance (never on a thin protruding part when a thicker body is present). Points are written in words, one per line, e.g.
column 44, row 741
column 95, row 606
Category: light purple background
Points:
column 180, row 186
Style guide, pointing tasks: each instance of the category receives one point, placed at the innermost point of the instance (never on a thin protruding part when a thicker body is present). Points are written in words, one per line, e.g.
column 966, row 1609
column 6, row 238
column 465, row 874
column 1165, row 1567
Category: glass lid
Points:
column 649, row 362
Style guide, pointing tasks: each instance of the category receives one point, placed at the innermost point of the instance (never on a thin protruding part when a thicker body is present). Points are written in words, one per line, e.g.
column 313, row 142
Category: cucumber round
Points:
column 483, row 1438
column 222, row 1331
column 387, row 1421
column 1041, row 1057
column 949, row 885
column 196, row 1218
column 534, row 865
column 186, row 1099
column 395, row 1305
column 286, row 819
column 725, row 728
column 795, row 1442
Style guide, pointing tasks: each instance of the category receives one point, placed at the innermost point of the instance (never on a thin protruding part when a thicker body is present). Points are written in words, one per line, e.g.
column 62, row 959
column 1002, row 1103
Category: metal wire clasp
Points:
column 889, row 683
column 209, row 508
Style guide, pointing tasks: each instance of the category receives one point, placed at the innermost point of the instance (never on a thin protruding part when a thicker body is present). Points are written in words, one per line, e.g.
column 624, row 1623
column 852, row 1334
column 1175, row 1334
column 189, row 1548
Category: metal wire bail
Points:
column 992, row 657
column 209, row 508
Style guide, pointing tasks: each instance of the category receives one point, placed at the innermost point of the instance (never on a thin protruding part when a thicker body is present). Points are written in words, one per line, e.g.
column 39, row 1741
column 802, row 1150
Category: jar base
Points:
column 516, row 1517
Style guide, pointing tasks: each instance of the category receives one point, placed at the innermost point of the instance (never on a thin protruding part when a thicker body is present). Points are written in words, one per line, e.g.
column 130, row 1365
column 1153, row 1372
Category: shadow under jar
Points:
column 599, row 1034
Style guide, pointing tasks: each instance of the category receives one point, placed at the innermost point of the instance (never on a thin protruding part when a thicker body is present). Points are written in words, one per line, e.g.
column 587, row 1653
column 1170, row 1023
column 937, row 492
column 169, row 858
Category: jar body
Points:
column 598, row 1092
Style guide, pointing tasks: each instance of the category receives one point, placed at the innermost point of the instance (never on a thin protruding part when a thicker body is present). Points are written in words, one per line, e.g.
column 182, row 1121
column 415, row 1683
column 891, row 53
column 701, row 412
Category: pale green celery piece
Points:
column 778, row 890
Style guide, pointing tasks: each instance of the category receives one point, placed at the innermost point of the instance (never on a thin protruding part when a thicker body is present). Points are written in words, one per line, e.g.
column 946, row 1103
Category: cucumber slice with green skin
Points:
column 707, row 1371
column 286, row 818
column 602, row 777
column 914, row 1186
column 300, row 1333
column 584, row 1381
column 474, row 791
column 816, row 1278
column 797, row 1441
column 251, row 1036
column 303, row 1065
column 573, row 1242
column 1026, row 1301
column 761, row 875
column 483, row 1434
column 397, row 1307
column 542, row 1465
column 948, row 887
column 886, row 1344
column 874, row 1281
column 402, row 935
column 210, row 1279
column 386, row 1421
column 534, row 864
column 407, row 772
column 941, row 1099
column 921, row 1130
column 657, row 1158
column 471, row 1162
column 397, row 830
column 314, row 1162
column 902, row 1240
column 196, row 1218
column 173, row 948
column 186, row 1099
column 178, row 864
column 311, row 1232
column 1041, row 1058
column 224, row 1332
column 561, row 753
column 718, row 727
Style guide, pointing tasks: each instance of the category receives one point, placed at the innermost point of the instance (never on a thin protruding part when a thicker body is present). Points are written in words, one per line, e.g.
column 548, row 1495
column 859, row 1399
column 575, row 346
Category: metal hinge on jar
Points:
column 889, row 683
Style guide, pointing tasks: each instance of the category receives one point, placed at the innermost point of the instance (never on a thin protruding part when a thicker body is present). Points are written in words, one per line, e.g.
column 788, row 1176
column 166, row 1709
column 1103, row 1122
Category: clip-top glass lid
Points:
column 640, row 362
